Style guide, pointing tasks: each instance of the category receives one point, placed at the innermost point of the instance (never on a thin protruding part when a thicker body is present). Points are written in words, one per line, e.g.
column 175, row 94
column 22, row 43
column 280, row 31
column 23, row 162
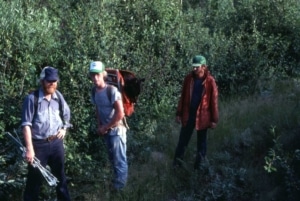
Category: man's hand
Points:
column 29, row 155
column 29, row 152
column 61, row 134
column 102, row 130
column 213, row 125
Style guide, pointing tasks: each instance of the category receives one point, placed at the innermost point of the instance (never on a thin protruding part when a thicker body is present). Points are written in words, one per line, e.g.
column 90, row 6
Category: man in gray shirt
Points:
column 110, row 112
column 45, row 118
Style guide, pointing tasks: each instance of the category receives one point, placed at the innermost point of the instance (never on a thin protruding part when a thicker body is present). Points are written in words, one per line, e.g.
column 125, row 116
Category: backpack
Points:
column 128, row 85
column 59, row 97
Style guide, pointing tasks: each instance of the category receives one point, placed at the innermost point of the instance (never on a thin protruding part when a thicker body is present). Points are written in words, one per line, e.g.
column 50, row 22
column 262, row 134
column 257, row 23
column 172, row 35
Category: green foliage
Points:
column 247, row 44
column 284, row 163
column 272, row 156
column 12, row 177
column 2, row 125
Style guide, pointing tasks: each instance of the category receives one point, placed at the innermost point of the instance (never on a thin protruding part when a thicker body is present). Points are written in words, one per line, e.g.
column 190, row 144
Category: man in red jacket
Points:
column 197, row 109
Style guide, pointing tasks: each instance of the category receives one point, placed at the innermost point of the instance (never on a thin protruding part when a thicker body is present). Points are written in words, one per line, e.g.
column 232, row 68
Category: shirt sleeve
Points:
column 115, row 95
column 28, row 110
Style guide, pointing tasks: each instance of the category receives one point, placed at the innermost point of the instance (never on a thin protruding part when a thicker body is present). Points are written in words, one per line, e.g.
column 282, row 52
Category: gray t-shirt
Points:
column 105, row 106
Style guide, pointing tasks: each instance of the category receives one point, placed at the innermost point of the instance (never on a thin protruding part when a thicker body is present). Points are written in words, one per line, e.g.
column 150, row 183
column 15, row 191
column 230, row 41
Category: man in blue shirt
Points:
column 44, row 128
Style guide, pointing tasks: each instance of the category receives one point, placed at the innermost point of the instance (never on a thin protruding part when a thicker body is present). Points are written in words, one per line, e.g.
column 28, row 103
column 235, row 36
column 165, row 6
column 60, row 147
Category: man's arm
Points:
column 180, row 105
column 29, row 156
column 28, row 111
column 214, row 104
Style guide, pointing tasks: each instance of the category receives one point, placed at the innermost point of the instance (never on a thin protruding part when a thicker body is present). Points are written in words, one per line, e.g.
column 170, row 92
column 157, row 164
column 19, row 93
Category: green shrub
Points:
column 249, row 45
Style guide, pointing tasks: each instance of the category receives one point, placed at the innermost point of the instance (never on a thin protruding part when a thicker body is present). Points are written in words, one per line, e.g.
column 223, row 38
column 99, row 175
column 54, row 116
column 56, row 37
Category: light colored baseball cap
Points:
column 97, row 67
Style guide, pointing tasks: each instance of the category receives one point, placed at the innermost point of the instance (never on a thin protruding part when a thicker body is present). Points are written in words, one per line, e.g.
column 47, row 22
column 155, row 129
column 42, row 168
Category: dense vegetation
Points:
column 252, row 48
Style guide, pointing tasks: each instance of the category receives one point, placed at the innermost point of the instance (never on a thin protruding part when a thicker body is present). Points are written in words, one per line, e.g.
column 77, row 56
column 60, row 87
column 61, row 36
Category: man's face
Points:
column 49, row 86
column 199, row 70
column 97, row 78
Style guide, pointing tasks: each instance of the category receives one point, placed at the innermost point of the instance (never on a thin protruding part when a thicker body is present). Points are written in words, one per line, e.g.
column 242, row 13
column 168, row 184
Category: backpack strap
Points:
column 61, row 106
column 109, row 95
column 35, row 101
column 108, row 91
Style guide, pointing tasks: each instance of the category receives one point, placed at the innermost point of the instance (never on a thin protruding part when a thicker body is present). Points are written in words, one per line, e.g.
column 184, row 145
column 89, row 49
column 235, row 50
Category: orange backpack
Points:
column 128, row 85
column 115, row 77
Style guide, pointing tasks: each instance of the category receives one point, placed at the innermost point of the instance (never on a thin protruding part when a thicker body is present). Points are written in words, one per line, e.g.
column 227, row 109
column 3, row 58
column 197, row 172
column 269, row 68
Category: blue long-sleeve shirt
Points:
column 47, row 120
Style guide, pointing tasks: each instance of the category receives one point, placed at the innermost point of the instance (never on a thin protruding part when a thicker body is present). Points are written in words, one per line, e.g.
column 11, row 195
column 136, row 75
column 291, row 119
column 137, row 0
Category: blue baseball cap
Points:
column 49, row 74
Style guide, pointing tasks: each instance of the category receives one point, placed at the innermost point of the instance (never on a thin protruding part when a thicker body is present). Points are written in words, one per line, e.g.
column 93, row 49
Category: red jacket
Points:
column 207, row 111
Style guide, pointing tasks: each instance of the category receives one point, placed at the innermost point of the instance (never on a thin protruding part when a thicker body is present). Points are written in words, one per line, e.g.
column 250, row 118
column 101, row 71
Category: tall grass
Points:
column 236, row 154
column 237, row 151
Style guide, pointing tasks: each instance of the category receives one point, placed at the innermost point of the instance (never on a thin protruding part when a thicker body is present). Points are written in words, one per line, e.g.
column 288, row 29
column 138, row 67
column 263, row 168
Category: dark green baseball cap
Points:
column 198, row 60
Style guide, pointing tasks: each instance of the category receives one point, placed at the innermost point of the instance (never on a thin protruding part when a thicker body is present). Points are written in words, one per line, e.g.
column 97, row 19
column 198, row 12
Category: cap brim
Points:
column 96, row 71
column 196, row 64
column 51, row 78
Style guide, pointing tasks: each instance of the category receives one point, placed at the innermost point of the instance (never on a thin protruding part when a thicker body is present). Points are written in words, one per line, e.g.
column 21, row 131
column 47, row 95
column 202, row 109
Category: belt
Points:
column 48, row 139
column 51, row 138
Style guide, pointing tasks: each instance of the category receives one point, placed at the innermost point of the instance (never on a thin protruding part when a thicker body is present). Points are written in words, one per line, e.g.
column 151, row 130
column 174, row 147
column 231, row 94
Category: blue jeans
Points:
column 116, row 146
column 184, row 138
column 52, row 154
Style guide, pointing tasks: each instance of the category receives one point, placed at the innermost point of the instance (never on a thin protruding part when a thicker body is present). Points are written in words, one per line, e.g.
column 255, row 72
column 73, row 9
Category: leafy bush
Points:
column 284, row 164
column 247, row 44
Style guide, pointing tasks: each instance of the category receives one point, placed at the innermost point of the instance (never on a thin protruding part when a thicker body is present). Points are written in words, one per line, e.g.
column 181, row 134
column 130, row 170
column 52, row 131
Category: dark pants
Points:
column 184, row 138
column 52, row 154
